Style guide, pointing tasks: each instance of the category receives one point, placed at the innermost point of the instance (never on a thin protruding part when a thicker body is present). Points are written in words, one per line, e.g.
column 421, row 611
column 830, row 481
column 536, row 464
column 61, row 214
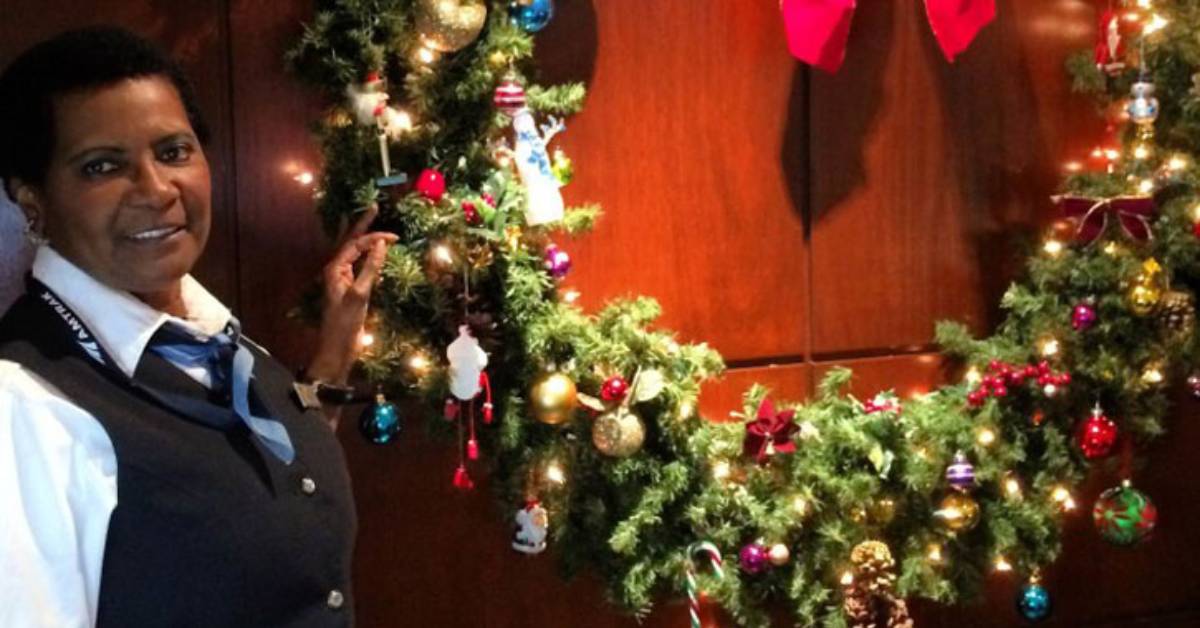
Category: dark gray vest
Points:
column 209, row 530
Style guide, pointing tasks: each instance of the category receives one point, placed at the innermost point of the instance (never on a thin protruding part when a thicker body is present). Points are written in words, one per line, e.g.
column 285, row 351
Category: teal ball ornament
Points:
column 380, row 421
column 1033, row 602
column 531, row 15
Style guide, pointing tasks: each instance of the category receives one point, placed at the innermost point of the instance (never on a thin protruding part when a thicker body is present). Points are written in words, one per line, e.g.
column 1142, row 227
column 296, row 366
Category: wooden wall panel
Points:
column 693, row 141
column 194, row 34
column 928, row 171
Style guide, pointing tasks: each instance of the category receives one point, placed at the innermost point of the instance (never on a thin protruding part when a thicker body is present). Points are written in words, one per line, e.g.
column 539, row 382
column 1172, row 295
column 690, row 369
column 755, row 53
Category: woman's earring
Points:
column 32, row 234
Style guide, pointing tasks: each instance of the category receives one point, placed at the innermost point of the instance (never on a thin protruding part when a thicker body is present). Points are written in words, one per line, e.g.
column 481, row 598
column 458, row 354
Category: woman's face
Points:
column 127, row 195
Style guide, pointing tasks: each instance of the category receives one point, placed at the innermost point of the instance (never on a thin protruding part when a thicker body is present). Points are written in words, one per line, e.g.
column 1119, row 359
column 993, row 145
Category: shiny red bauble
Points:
column 1096, row 436
column 431, row 184
column 614, row 389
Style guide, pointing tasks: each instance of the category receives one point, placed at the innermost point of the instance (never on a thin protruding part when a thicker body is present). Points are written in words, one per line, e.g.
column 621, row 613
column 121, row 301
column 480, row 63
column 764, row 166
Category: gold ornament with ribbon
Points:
column 552, row 398
column 449, row 25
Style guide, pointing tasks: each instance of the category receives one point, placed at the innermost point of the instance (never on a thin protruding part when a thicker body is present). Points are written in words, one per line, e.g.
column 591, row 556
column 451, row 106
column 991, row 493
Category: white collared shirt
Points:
column 58, row 470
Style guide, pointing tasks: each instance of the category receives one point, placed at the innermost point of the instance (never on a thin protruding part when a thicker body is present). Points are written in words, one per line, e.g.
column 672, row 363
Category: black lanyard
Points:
column 86, row 344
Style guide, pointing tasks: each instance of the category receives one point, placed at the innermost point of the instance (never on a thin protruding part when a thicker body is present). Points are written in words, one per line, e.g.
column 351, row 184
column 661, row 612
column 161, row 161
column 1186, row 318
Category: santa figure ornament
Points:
column 532, row 522
column 467, row 380
column 369, row 102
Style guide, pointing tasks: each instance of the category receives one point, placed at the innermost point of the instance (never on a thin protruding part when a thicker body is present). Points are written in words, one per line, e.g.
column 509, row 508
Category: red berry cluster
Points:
column 1002, row 375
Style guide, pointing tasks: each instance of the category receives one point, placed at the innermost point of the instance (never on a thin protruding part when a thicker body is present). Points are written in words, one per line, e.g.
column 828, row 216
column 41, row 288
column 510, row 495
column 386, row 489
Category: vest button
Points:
column 335, row 599
column 308, row 487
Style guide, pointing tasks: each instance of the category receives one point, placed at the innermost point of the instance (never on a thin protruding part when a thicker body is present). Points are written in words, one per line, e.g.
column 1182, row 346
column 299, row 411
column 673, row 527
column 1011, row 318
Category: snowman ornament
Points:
column 467, row 380
column 532, row 523
column 544, row 199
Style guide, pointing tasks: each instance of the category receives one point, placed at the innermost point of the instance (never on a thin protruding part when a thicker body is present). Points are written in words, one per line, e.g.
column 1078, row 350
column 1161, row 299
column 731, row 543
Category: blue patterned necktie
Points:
column 230, row 366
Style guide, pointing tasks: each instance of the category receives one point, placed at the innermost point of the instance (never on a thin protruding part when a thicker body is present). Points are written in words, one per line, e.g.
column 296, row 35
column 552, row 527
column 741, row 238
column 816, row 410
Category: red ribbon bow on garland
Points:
column 1091, row 214
column 817, row 29
column 770, row 432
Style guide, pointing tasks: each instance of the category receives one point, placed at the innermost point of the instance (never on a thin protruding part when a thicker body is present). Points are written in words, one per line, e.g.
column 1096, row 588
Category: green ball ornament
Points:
column 1124, row 515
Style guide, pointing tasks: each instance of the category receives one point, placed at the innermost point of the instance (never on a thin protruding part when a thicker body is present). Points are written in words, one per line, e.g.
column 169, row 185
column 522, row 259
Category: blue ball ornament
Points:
column 1033, row 602
column 531, row 15
column 380, row 422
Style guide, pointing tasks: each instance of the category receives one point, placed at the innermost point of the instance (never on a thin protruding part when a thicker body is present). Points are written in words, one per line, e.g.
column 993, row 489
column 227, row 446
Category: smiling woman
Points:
column 158, row 469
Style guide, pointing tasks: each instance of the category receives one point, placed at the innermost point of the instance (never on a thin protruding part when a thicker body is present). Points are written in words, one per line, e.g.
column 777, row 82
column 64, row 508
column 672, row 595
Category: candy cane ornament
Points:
column 710, row 551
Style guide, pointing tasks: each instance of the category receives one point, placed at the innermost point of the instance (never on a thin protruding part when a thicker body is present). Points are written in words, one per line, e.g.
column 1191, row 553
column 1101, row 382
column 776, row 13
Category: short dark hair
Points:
column 73, row 61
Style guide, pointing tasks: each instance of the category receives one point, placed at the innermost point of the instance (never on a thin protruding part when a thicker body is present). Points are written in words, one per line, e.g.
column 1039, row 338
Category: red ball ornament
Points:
column 1083, row 317
column 431, row 184
column 1096, row 435
column 615, row 388
column 509, row 97
column 471, row 214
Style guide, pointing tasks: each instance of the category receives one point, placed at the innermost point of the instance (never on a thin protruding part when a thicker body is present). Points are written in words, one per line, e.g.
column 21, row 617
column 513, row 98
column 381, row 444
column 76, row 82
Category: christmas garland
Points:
column 838, row 507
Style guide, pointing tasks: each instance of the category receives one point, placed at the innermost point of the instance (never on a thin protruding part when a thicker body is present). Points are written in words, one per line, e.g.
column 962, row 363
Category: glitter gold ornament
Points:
column 449, row 25
column 1147, row 289
column 958, row 512
column 552, row 398
column 619, row 433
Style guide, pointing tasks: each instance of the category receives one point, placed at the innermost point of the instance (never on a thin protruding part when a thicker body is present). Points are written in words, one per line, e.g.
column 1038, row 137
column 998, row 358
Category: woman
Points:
column 155, row 468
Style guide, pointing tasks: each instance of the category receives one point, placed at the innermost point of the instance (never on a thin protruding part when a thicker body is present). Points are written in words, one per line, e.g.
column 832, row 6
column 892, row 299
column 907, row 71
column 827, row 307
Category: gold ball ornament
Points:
column 619, row 433
column 498, row 60
column 779, row 554
column 552, row 398
column 882, row 511
column 958, row 512
column 449, row 25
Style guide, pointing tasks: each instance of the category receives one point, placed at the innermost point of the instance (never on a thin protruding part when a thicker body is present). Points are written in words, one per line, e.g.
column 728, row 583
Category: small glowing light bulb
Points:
column 847, row 578
column 426, row 55
column 1072, row 166
column 555, row 473
column 986, row 436
column 1177, row 163
column 1012, row 487
column 1141, row 151
column 1156, row 23
column 1112, row 154
column 1050, row 347
column 1146, row 186
column 366, row 338
column 721, row 470
column 571, row 296
column 305, row 178
column 935, row 553
column 403, row 120
column 799, row 505
column 973, row 376
column 1111, row 248
column 1052, row 247
column 1063, row 497
column 1002, row 564
column 442, row 254
column 419, row 363
column 686, row 409
column 1152, row 376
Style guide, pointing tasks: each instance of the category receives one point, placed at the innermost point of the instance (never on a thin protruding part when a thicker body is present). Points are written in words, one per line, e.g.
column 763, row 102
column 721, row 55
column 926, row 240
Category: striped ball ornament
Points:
column 960, row 475
column 509, row 97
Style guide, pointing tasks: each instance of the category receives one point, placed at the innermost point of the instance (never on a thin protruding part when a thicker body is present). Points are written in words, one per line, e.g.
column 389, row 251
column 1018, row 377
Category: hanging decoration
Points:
column 753, row 558
column 531, row 15
column 467, row 361
column 1146, row 291
column 369, row 102
column 1096, row 435
column 1033, row 601
column 817, row 29
column 380, row 421
column 1110, row 45
column 1124, row 515
column 712, row 558
column 450, row 25
column 533, row 523
column 1091, row 215
column 544, row 202
column 553, row 398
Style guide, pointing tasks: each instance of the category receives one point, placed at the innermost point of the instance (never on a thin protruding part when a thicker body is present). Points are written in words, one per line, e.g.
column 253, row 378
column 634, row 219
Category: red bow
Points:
column 1133, row 212
column 817, row 29
column 770, row 431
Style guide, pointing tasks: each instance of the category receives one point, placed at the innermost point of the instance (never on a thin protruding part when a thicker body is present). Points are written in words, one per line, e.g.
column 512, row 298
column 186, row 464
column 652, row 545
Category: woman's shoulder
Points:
column 37, row 413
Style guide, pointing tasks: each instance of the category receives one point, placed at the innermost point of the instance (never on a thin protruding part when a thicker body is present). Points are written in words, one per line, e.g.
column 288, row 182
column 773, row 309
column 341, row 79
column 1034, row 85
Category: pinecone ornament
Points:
column 1177, row 312
column 870, row 601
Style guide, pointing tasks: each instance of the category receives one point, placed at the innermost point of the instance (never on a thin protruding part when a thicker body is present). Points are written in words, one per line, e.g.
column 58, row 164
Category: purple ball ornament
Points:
column 1083, row 317
column 753, row 558
column 960, row 475
column 558, row 263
